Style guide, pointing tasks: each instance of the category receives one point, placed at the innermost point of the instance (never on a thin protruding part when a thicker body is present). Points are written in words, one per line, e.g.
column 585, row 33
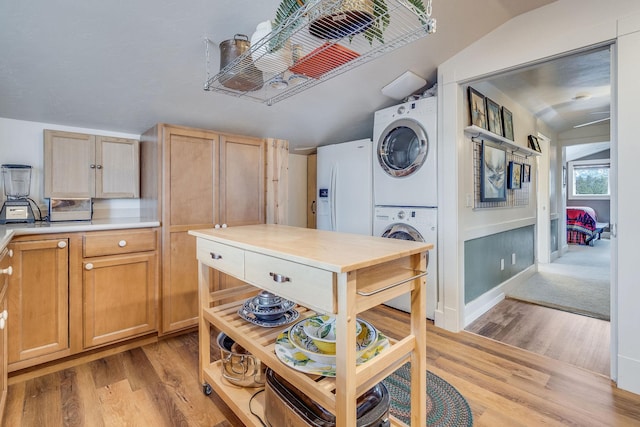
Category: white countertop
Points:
column 8, row 231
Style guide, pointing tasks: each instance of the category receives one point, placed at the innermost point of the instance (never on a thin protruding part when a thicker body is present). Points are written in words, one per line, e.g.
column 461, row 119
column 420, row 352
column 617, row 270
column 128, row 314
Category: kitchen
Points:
column 29, row 134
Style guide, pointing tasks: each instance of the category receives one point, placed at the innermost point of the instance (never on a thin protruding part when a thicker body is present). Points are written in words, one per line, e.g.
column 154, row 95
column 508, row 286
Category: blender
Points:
column 17, row 183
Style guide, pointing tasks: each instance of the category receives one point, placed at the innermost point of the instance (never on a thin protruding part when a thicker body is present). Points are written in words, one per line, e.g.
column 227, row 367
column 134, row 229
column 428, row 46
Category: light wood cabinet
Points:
column 38, row 300
column 119, row 285
column 6, row 269
column 312, row 190
column 78, row 165
column 208, row 178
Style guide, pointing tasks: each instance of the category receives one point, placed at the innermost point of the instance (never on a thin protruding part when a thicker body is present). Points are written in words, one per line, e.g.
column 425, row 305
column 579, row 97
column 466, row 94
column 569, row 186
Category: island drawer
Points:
column 119, row 242
column 309, row 286
column 222, row 257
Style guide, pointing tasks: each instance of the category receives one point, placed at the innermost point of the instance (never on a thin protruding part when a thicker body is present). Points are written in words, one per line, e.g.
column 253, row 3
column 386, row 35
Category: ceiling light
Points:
column 404, row 85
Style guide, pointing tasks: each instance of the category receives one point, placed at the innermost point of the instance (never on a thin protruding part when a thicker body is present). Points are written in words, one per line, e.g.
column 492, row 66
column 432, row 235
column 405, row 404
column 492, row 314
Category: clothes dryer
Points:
column 405, row 154
column 417, row 224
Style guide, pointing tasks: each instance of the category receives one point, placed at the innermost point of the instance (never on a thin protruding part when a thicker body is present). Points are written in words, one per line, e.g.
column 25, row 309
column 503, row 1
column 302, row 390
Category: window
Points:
column 589, row 179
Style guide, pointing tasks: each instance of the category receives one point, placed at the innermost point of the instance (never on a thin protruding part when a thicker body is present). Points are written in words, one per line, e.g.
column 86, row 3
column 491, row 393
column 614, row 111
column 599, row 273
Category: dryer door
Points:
column 402, row 148
column 402, row 232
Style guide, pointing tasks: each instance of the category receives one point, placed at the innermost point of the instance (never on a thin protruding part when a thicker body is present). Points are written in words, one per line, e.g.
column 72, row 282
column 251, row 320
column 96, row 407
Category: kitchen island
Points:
column 324, row 272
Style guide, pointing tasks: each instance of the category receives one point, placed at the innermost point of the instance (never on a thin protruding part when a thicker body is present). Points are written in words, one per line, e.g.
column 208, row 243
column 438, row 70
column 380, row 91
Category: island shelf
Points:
column 323, row 272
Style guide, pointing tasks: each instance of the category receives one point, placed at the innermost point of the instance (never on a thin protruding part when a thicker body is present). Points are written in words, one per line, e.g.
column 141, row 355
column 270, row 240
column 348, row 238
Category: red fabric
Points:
column 581, row 225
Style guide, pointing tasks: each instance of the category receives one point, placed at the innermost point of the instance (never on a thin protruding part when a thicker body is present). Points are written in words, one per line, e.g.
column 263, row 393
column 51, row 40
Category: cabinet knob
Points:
column 3, row 323
column 216, row 226
column 280, row 278
column 62, row 244
column 224, row 225
column 98, row 166
column 92, row 166
column 8, row 271
column 215, row 255
column 122, row 243
column 88, row 266
column 10, row 253
column 4, row 315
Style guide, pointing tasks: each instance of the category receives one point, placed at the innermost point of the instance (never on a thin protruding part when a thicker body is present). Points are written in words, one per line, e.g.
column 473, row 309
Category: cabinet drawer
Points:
column 119, row 242
column 222, row 257
column 309, row 286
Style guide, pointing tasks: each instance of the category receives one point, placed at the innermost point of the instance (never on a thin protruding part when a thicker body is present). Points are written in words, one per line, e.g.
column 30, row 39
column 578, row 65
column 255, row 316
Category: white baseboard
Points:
column 488, row 300
column 629, row 374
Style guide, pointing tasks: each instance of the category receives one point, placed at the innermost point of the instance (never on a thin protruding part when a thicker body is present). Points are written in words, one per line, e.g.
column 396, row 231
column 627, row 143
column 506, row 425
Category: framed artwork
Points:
column 493, row 174
column 494, row 119
column 477, row 108
column 526, row 173
column 507, row 123
column 515, row 176
column 534, row 144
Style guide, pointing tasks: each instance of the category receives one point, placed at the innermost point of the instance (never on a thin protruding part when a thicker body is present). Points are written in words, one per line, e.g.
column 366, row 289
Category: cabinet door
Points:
column 119, row 296
column 69, row 165
column 190, row 177
column 38, row 301
column 117, row 168
column 5, row 262
column 242, row 180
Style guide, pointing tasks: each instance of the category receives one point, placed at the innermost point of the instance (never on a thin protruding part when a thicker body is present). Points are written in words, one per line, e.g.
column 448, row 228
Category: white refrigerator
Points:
column 345, row 187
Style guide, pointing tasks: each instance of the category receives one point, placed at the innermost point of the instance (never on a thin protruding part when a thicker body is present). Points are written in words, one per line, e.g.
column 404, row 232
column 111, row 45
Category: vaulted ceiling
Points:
column 126, row 65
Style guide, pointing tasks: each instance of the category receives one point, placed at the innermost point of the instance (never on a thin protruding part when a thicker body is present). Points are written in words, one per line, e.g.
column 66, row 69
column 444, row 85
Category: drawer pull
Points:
column 8, row 271
column 62, row 244
column 279, row 278
column 215, row 255
column 4, row 315
column 122, row 243
column 10, row 253
column 88, row 266
column 3, row 323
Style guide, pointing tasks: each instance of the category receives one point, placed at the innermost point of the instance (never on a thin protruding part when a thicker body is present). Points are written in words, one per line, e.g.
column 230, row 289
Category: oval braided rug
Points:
column 445, row 405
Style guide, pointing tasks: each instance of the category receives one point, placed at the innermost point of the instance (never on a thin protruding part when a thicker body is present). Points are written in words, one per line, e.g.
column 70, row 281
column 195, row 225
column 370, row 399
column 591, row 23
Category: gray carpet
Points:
column 577, row 282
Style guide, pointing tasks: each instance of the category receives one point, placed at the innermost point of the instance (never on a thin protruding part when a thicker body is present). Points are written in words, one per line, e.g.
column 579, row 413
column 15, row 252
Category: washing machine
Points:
column 411, row 223
column 405, row 154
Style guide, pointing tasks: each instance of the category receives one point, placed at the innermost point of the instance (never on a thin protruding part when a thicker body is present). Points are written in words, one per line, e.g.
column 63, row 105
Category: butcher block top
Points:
column 327, row 250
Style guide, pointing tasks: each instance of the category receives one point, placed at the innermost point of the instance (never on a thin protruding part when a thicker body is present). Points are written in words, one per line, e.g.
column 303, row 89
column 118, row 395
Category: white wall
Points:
column 558, row 28
column 22, row 142
column 297, row 206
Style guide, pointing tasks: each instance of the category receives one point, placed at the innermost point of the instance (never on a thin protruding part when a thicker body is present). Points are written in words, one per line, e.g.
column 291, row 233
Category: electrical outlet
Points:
column 501, row 264
column 513, row 258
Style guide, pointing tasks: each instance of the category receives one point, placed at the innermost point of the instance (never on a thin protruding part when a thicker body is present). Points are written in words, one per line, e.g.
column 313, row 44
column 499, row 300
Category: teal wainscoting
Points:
column 554, row 235
column 482, row 259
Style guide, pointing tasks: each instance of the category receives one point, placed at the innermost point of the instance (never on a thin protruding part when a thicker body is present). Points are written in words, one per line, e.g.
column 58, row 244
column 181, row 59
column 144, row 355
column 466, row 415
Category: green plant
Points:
column 289, row 18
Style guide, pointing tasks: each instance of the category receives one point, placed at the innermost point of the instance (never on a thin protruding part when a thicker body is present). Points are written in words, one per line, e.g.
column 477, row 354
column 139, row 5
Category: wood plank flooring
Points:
column 579, row 340
column 157, row 385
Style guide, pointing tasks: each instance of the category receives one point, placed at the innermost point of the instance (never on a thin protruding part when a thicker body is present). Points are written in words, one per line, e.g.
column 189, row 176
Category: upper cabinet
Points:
column 78, row 165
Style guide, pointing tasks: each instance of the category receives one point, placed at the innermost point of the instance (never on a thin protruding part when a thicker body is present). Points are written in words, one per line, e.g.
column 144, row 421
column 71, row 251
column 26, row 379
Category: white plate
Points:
column 294, row 358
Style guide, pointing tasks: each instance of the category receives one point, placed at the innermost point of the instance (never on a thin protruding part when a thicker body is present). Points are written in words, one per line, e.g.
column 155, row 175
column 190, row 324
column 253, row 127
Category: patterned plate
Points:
column 287, row 317
column 292, row 357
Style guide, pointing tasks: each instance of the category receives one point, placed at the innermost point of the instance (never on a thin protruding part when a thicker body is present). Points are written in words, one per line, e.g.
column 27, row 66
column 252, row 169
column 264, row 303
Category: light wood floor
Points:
column 157, row 385
column 579, row 340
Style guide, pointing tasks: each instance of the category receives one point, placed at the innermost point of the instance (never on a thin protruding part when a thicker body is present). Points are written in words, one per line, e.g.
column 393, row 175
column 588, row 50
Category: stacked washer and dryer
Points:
column 405, row 183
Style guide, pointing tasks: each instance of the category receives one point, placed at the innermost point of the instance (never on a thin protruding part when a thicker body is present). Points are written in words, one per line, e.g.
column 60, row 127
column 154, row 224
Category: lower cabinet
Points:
column 38, row 299
column 76, row 291
column 119, row 297
column 5, row 271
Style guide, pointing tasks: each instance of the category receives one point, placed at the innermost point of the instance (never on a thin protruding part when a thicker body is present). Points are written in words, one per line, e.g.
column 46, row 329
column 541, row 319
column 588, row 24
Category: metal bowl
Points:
column 238, row 365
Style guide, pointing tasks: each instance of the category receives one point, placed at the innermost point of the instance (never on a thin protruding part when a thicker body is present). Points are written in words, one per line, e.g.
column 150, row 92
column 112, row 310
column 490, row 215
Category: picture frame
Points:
column 526, row 172
column 494, row 118
column 515, row 176
column 477, row 108
column 507, row 124
column 534, row 144
column 493, row 174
